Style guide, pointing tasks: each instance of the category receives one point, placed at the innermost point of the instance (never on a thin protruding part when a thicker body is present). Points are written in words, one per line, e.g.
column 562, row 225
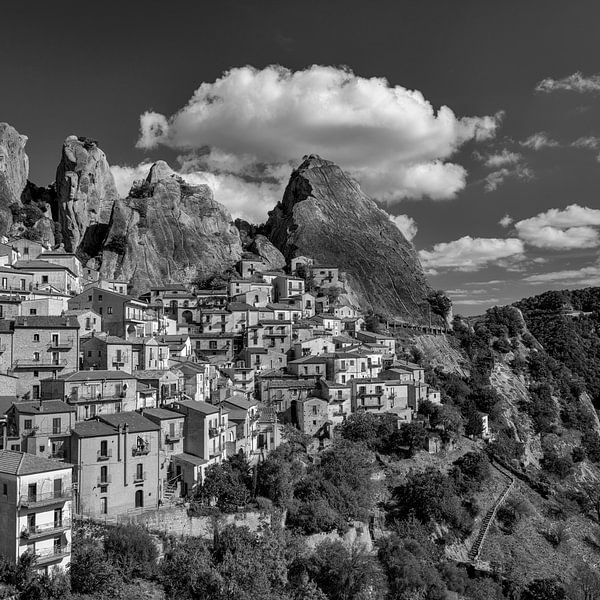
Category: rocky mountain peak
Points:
column 14, row 169
column 324, row 214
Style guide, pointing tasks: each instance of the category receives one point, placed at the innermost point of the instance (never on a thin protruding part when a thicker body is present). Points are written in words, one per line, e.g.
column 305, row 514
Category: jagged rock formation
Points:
column 272, row 258
column 14, row 169
column 324, row 214
column 168, row 231
column 85, row 195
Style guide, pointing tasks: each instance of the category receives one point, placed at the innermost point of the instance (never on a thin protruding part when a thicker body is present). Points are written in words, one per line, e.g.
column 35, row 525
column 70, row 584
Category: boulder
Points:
column 14, row 169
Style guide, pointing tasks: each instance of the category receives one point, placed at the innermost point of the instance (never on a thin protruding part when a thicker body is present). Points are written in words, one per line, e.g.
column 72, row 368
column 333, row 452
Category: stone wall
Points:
column 176, row 521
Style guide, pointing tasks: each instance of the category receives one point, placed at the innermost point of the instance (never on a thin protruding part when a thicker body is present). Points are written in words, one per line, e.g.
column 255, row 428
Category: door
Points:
column 32, row 492
column 31, row 522
column 58, row 520
column 139, row 499
column 58, row 488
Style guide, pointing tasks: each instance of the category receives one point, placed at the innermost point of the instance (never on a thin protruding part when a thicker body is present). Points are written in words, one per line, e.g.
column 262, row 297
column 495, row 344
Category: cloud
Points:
column 407, row 225
column 471, row 254
column 496, row 178
column 477, row 302
column 500, row 159
column 588, row 276
column 388, row 137
column 573, row 83
column 506, row 220
column 539, row 140
column 588, row 142
column 249, row 200
column 572, row 227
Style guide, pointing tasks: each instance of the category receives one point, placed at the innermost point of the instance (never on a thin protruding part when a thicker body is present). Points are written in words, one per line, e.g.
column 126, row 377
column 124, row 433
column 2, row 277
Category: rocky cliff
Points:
column 168, row 231
column 324, row 214
column 14, row 169
column 85, row 195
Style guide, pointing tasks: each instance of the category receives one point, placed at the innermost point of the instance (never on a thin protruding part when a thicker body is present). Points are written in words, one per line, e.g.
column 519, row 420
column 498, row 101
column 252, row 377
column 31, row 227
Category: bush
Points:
column 117, row 244
column 132, row 550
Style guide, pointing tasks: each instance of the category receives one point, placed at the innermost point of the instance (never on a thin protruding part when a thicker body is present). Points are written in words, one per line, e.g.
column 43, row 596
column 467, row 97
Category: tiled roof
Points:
column 22, row 463
column 134, row 421
column 162, row 413
column 93, row 429
column 46, row 407
column 202, row 407
column 190, row 458
column 96, row 375
column 51, row 321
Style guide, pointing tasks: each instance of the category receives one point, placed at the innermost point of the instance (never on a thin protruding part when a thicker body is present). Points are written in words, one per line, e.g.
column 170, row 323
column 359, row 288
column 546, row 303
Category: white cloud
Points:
column 477, row 302
column 496, row 178
column 572, row 83
column 539, row 140
column 471, row 254
column 506, row 220
column 249, row 200
column 588, row 276
column 500, row 159
column 407, row 225
column 566, row 229
column 390, row 138
column 588, row 142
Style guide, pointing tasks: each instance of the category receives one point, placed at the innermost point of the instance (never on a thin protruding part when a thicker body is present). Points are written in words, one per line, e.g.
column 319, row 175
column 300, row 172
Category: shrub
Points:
column 131, row 550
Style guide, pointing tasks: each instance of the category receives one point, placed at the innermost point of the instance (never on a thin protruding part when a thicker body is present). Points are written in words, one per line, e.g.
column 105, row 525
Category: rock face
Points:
column 168, row 231
column 14, row 169
column 324, row 214
column 271, row 256
column 85, row 195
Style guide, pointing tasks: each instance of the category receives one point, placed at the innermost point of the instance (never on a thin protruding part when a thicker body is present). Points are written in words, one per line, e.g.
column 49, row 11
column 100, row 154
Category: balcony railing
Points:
column 56, row 553
column 172, row 439
column 55, row 497
column 100, row 455
column 139, row 477
column 40, row 363
column 140, row 450
column 66, row 344
column 38, row 531
column 37, row 430
column 213, row 432
column 105, row 480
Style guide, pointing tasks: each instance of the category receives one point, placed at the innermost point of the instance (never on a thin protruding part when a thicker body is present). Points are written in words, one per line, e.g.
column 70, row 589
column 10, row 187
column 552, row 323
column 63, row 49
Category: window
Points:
column 104, row 448
column 58, row 489
column 44, row 278
column 27, row 424
column 36, row 373
column 36, row 337
column 42, row 449
column 103, row 506
column 4, row 282
column 58, row 517
column 33, row 311
column 56, row 425
column 5, row 489
column 109, row 310
column 99, row 297
column 314, row 410
column 100, row 310
column 35, row 392
column 89, row 353
column 212, row 345
column 139, row 472
column 89, row 298
column 25, row 250
column 103, row 475
column 139, row 498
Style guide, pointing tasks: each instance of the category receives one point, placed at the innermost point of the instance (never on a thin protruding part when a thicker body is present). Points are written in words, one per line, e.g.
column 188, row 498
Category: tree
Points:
column 544, row 589
column 440, row 303
column 226, row 485
column 131, row 549
column 91, row 570
column 374, row 431
column 410, row 435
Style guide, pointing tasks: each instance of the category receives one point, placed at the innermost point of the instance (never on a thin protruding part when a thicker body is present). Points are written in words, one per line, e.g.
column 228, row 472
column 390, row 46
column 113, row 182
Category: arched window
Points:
column 139, row 498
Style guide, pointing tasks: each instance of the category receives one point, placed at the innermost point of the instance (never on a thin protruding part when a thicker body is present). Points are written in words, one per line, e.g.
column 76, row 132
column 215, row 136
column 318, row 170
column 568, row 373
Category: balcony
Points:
column 45, row 499
column 139, row 477
column 58, row 454
column 140, row 450
column 172, row 439
column 53, row 554
column 213, row 432
column 32, row 363
column 62, row 345
column 49, row 529
column 104, row 481
column 103, row 455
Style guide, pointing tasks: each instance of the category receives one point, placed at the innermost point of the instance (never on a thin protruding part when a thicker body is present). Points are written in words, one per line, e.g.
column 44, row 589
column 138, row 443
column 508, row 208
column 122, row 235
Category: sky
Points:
column 474, row 124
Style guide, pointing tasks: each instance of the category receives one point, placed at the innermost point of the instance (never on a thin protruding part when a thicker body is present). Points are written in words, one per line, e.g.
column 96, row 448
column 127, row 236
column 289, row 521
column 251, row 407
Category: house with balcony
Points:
column 116, row 464
column 329, row 323
column 243, row 316
column 285, row 311
column 260, row 359
column 243, row 415
column 50, row 275
column 205, row 440
column 199, row 378
column 122, row 315
column 308, row 367
column 93, row 393
column 276, row 334
column 43, row 428
column 211, row 298
column 149, row 353
column 241, row 377
column 41, row 347
column 339, row 399
column 287, row 286
column 168, row 383
column 180, row 346
column 343, row 367
column 281, row 392
column 345, row 311
column 369, row 337
column 106, row 352
column 35, row 509
column 314, row 346
column 171, row 425
column 222, row 346
column 325, row 275
column 369, row 395
column 15, row 281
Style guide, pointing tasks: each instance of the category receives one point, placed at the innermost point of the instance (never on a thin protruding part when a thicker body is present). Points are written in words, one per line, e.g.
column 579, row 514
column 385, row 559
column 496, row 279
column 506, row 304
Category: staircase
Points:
column 489, row 517
column 170, row 490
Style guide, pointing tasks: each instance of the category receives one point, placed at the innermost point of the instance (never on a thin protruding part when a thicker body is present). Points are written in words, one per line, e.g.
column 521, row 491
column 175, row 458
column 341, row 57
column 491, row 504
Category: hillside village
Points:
column 113, row 404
